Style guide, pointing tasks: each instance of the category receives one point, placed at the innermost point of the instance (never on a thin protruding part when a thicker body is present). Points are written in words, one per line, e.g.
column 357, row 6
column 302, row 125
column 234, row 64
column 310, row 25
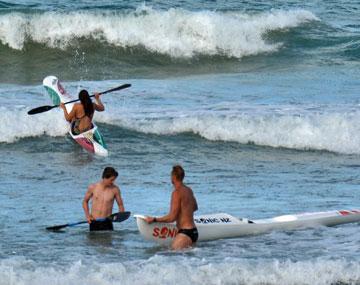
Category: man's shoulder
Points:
column 182, row 188
column 93, row 186
column 186, row 188
column 115, row 188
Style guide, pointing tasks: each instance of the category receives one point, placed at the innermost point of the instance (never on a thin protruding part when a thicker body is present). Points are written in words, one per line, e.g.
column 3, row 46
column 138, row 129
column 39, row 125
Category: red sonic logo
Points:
column 350, row 212
column 164, row 232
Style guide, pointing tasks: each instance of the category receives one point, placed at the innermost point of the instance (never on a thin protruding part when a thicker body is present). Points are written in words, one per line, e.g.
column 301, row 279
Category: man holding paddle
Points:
column 103, row 194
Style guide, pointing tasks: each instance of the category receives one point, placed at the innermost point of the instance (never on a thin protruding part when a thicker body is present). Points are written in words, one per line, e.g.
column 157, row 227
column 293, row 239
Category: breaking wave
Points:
column 163, row 270
column 175, row 32
column 17, row 124
column 330, row 131
column 336, row 132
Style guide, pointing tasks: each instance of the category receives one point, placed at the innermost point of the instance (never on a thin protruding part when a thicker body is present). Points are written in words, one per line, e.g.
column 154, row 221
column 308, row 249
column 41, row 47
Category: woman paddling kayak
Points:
column 82, row 113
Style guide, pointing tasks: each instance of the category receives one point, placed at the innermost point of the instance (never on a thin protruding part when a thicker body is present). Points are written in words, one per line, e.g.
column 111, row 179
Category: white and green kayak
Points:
column 91, row 140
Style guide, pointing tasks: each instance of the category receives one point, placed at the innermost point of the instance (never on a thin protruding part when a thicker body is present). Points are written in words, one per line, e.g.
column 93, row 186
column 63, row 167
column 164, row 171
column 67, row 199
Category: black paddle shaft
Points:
column 117, row 217
column 42, row 109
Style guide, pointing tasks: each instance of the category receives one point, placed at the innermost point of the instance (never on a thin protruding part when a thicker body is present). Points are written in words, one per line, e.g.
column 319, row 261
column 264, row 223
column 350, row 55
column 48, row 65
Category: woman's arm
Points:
column 99, row 106
column 68, row 116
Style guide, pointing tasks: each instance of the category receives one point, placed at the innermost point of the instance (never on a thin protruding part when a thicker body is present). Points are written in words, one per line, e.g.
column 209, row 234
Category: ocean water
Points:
column 258, row 101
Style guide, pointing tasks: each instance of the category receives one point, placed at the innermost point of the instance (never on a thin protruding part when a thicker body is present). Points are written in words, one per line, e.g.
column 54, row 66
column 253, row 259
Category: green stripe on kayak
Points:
column 53, row 95
column 99, row 139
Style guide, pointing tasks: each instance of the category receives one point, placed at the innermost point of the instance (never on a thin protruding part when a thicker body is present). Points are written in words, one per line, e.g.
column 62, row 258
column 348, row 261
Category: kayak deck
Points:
column 91, row 140
column 222, row 225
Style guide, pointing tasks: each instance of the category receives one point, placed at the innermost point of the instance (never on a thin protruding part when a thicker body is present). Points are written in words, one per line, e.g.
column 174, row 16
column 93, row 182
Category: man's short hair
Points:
column 109, row 172
column 178, row 172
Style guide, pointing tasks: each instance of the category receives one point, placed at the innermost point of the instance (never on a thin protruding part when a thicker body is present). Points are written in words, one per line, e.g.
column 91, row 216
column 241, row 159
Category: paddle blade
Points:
column 127, row 85
column 40, row 110
column 43, row 109
column 120, row 217
column 117, row 217
column 56, row 228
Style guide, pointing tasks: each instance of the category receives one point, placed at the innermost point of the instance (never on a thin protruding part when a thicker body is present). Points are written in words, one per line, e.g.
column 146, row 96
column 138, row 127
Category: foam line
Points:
column 175, row 32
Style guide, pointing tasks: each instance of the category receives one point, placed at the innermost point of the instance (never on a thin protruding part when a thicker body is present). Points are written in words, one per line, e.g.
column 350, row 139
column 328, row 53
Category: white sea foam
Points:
column 337, row 132
column 175, row 32
column 16, row 124
column 163, row 270
column 331, row 131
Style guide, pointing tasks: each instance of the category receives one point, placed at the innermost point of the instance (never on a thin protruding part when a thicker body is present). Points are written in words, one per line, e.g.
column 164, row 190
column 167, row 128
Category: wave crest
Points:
column 16, row 124
column 194, row 271
column 175, row 32
column 336, row 132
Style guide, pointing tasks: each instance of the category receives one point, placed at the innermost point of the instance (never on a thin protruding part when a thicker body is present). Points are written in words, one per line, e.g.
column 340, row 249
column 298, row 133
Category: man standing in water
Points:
column 102, row 194
column 182, row 208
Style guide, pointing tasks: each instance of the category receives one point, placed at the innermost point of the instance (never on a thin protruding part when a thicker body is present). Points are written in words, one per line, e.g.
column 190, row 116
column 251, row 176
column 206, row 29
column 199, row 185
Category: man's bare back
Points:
column 188, row 206
column 182, row 207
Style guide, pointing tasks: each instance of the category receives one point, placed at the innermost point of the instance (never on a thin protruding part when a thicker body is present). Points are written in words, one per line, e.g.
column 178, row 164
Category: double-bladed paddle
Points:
column 42, row 109
column 117, row 217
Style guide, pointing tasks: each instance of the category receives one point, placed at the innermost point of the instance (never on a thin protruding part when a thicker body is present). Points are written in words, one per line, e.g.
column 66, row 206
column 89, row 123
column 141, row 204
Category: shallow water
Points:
column 258, row 102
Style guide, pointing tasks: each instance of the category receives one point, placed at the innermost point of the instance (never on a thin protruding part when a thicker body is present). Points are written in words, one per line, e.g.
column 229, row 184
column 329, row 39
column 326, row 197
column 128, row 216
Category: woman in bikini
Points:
column 82, row 113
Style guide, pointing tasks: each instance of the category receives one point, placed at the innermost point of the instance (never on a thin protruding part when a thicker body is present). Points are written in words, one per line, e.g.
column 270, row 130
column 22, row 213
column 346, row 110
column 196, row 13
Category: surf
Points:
column 284, row 128
column 175, row 32
column 192, row 270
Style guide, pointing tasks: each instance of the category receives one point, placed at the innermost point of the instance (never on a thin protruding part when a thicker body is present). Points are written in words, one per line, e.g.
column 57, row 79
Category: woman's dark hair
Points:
column 87, row 103
column 109, row 172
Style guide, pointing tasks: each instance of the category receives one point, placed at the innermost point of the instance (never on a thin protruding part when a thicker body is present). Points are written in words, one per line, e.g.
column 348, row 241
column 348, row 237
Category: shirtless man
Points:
column 182, row 208
column 102, row 194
